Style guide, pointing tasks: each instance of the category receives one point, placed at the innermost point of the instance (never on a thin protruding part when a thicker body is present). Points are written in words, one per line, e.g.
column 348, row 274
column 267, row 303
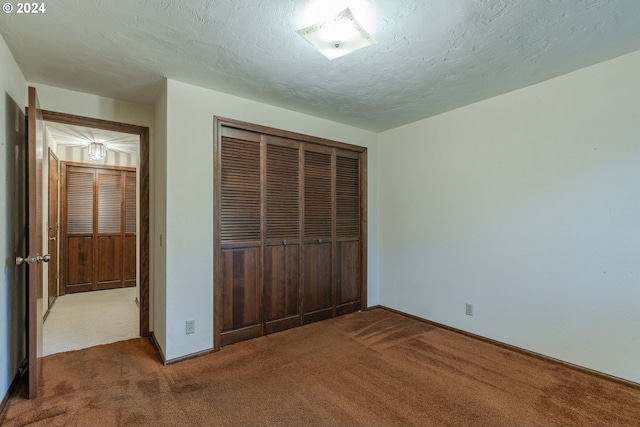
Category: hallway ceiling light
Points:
column 97, row 151
column 337, row 36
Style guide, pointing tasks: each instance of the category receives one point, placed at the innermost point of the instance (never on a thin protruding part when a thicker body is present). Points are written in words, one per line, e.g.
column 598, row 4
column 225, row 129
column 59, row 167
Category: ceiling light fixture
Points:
column 97, row 151
column 337, row 36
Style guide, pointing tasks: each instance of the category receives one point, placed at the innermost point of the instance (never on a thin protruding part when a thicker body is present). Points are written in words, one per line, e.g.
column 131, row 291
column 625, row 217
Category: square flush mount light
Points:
column 338, row 36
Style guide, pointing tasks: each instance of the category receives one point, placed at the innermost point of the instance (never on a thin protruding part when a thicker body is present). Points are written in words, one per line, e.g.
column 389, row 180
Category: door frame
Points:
column 143, row 171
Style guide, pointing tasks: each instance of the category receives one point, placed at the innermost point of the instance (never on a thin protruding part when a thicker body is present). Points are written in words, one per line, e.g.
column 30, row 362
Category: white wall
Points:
column 527, row 206
column 87, row 105
column 189, row 222
column 13, row 89
column 158, row 296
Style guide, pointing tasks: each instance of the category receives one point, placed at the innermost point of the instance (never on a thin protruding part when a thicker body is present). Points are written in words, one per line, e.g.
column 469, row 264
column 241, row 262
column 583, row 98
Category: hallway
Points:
column 88, row 319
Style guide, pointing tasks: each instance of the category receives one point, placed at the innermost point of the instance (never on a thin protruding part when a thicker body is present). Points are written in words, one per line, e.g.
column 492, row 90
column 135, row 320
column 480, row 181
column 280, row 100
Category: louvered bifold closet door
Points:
column 317, row 302
column 282, row 246
column 99, row 246
column 109, row 229
column 130, row 215
column 78, row 247
column 289, row 218
column 348, row 247
column 240, row 236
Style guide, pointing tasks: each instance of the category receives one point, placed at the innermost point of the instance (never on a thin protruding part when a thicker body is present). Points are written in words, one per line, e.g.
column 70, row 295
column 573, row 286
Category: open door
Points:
column 34, row 258
column 54, row 227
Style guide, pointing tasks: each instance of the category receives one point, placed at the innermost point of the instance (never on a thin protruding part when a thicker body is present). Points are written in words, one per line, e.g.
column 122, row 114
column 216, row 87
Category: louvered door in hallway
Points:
column 98, row 228
column 290, row 230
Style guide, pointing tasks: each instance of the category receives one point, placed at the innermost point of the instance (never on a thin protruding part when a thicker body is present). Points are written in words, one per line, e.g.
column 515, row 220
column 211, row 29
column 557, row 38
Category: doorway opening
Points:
column 101, row 276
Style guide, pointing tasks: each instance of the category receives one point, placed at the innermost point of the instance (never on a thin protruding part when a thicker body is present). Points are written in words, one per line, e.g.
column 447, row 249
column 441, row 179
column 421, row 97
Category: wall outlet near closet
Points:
column 468, row 309
column 190, row 327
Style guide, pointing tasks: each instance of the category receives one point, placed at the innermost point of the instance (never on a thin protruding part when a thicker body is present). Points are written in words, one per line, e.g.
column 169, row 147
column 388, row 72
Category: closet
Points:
column 290, row 230
column 98, row 228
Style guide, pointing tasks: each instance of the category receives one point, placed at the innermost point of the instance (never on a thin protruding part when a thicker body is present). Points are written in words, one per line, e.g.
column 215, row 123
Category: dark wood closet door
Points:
column 79, row 268
column 130, row 243
column 348, row 278
column 282, row 249
column 241, row 238
column 109, row 230
column 317, row 301
column 241, row 300
column 289, row 230
column 99, row 232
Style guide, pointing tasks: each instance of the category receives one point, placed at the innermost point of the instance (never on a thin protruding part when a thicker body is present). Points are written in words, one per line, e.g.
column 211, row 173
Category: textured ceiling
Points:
column 432, row 55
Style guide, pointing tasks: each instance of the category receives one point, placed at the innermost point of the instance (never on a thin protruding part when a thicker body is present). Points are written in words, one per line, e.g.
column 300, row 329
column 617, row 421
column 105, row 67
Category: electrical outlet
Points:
column 468, row 308
column 190, row 327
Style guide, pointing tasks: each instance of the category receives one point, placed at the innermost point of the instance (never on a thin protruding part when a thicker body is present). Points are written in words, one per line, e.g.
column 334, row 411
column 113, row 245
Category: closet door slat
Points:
column 317, row 195
column 130, row 202
column 109, row 202
column 79, row 201
column 240, row 191
column 283, row 193
column 347, row 197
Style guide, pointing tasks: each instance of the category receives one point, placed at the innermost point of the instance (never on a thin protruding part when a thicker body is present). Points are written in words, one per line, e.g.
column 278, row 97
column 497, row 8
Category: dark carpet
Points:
column 374, row 368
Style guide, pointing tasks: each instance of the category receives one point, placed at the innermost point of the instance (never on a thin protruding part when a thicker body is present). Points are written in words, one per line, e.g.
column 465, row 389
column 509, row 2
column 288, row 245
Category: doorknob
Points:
column 52, row 238
column 26, row 260
column 20, row 260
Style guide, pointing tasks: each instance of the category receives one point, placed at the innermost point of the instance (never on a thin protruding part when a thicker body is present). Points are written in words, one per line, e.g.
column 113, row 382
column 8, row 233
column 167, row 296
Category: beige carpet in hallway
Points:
column 87, row 319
